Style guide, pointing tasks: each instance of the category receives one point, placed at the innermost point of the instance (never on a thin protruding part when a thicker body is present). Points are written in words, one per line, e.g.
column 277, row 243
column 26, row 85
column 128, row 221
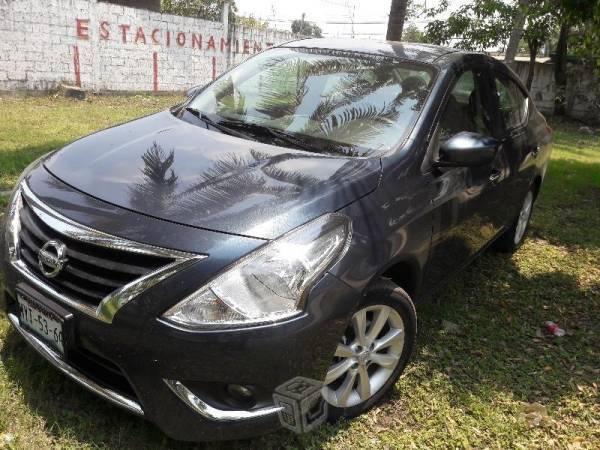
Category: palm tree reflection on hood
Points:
column 259, row 176
column 250, row 182
column 158, row 179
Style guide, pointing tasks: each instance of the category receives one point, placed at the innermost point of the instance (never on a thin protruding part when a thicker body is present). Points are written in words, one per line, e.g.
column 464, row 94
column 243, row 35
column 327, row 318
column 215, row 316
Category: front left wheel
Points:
column 372, row 353
column 512, row 238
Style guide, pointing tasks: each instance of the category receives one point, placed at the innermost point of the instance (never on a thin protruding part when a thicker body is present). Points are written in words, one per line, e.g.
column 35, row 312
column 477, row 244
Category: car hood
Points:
column 167, row 168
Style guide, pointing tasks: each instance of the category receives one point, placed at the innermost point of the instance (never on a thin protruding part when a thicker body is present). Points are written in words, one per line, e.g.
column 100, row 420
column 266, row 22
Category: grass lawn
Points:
column 468, row 386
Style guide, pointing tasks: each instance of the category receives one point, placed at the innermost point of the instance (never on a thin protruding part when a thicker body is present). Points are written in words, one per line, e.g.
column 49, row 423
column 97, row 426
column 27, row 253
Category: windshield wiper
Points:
column 213, row 123
column 273, row 132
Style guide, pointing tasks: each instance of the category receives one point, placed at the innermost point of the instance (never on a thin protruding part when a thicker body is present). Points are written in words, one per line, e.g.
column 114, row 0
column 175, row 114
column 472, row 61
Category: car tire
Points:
column 512, row 238
column 385, row 297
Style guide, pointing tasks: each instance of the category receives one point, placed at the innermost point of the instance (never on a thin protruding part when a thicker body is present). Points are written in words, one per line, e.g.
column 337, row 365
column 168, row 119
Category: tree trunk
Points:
column 517, row 32
column 560, row 70
column 534, row 45
column 396, row 20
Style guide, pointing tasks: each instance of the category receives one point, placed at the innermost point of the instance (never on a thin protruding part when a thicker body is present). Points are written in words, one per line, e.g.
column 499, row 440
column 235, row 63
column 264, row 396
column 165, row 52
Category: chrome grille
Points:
column 102, row 272
column 92, row 272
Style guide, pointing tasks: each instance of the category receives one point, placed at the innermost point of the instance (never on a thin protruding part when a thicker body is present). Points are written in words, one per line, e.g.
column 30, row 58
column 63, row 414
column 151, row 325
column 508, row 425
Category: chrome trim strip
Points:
column 20, row 266
column 79, row 232
column 212, row 413
column 13, row 223
column 54, row 358
column 109, row 306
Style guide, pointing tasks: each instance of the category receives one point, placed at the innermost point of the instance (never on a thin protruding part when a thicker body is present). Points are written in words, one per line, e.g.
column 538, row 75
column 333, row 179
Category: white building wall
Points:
column 111, row 47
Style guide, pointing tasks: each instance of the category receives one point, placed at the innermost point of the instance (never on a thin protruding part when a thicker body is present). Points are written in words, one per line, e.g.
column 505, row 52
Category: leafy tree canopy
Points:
column 306, row 28
column 475, row 26
column 412, row 33
column 204, row 9
column 484, row 24
column 584, row 17
column 252, row 22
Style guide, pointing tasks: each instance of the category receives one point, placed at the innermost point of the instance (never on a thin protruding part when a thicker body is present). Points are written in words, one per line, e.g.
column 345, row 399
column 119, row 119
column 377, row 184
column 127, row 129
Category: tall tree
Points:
column 476, row 26
column 560, row 69
column 517, row 31
column 252, row 22
column 204, row 9
column 413, row 34
column 305, row 28
column 487, row 23
column 396, row 20
column 584, row 16
column 541, row 22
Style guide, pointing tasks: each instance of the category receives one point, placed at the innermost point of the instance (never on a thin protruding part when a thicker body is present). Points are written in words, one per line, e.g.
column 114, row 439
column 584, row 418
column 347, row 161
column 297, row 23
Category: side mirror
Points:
column 467, row 149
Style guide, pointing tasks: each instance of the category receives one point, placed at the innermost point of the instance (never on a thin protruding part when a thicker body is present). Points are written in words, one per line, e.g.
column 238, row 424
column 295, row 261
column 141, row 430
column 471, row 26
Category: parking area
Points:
column 484, row 374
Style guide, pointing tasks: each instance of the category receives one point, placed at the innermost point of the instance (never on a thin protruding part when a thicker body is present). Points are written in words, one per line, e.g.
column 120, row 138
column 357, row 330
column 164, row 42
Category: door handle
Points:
column 495, row 176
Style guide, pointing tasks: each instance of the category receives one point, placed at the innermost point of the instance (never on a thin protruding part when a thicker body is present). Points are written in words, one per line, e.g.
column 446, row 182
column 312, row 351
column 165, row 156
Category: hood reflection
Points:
column 169, row 169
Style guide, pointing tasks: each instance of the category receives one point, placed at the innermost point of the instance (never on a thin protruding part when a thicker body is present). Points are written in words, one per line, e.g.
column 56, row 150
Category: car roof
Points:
column 426, row 53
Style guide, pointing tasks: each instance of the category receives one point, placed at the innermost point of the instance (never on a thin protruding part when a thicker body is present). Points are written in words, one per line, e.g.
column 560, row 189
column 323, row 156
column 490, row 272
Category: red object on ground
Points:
column 554, row 329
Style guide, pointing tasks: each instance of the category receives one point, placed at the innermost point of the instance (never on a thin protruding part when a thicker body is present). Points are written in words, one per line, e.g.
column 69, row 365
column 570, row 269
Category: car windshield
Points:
column 331, row 102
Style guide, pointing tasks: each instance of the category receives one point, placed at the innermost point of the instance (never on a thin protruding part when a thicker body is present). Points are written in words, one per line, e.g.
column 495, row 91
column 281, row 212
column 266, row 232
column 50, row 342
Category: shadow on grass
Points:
column 12, row 163
column 499, row 346
column 570, row 198
column 498, row 312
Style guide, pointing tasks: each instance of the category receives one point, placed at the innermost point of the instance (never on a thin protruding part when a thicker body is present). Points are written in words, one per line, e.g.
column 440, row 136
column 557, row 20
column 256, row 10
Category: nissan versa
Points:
column 281, row 222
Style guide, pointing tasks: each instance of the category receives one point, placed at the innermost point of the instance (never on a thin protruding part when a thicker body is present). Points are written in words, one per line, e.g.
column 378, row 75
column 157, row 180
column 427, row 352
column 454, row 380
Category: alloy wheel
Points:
column 523, row 219
column 366, row 357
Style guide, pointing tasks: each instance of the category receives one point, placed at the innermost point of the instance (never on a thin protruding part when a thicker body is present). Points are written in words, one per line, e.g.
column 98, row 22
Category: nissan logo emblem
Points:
column 52, row 257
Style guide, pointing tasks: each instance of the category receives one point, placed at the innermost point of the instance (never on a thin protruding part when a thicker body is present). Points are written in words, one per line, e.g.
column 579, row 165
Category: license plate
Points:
column 42, row 322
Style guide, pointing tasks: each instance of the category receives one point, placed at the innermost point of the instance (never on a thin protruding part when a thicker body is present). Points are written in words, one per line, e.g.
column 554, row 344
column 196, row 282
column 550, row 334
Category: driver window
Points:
column 464, row 110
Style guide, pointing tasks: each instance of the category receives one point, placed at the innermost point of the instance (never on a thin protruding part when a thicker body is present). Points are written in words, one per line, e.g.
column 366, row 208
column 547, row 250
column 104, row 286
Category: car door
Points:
column 467, row 200
column 513, row 108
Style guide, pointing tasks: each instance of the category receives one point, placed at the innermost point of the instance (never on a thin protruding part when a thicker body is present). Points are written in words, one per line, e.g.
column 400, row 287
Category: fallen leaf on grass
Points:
column 450, row 327
column 8, row 440
column 535, row 415
column 539, row 333
column 576, row 444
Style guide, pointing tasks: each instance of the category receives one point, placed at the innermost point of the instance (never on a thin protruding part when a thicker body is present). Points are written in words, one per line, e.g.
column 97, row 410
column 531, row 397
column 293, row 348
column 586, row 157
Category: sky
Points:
column 280, row 13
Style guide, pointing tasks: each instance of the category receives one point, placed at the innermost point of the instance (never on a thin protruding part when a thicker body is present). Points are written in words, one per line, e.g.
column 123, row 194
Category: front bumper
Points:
column 141, row 363
column 205, row 362
column 57, row 361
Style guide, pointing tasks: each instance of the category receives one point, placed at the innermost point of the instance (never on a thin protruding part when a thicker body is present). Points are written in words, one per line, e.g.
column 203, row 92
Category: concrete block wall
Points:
column 583, row 90
column 108, row 47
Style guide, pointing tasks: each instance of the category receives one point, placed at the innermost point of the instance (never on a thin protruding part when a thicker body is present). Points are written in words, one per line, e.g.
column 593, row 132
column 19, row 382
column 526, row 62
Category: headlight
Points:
column 269, row 284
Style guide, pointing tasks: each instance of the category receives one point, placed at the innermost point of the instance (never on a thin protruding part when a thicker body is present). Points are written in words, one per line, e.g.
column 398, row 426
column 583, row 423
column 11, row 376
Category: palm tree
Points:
column 396, row 20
